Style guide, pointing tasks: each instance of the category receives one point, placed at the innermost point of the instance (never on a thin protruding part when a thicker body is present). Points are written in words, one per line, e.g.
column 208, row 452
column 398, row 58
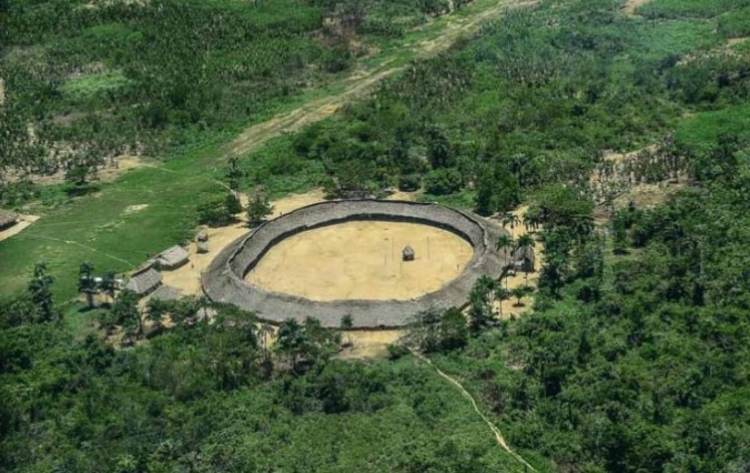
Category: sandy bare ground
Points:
column 362, row 260
column 360, row 83
column 187, row 277
column 23, row 223
column 632, row 5
column 509, row 307
column 107, row 173
column 2, row 91
column 369, row 344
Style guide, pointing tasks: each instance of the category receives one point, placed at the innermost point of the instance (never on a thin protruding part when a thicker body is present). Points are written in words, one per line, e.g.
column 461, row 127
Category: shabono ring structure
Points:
column 224, row 281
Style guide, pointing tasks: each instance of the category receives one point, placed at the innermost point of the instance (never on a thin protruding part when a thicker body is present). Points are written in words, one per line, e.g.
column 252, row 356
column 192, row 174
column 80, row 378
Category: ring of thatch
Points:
column 224, row 280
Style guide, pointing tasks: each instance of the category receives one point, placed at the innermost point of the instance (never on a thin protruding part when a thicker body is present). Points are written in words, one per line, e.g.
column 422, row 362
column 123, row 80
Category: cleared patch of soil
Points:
column 23, row 222
column 135, row 208
column 2, row 91
column 362, row 260
column 509, row 308
column 107, row 173
column 368, row 344
column 187, row 277
column 632, row 5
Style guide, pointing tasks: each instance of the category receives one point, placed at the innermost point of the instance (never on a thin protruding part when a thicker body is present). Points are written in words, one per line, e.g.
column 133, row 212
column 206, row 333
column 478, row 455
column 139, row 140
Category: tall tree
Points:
column 125, row 313
column 525, row 243
column 480, row 308
column 40, row 289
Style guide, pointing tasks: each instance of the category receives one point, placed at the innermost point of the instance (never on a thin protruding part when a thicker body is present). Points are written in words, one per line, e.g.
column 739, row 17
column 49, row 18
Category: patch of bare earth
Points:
column 362, row 260
column 23, row 223
column 510, row 308
column 632, row 5
column 616, row 185
column 368, row 344
column 2, row 91
column 187, row 277
column 108, row 172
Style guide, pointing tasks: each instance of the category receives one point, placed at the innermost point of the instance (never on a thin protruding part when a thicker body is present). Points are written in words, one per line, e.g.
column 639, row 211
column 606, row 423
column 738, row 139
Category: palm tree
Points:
column 108, row 285
column 509, row 218
column 501, row 293
column 505, row 242
column 86, row 282
column 524, row 244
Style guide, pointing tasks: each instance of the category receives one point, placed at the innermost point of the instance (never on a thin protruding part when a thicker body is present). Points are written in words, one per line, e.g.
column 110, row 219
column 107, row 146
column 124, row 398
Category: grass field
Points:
column 97, row 228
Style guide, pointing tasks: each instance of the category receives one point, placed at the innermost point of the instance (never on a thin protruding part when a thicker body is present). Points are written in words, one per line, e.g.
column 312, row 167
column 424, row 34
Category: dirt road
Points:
column 363, row 80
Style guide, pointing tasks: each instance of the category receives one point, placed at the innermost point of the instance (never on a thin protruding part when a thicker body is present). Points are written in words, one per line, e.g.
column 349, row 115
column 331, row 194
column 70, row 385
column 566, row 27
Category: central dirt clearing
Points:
column 362, row 260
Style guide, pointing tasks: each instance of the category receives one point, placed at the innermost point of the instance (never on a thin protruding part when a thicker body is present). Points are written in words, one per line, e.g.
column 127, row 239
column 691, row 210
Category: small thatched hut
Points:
column 525, row 260
column 408, row 253
column 202, row 247
column 172, row 258
column 202, row 236
column 144, row 281
column 167, row 293
column 7, row 219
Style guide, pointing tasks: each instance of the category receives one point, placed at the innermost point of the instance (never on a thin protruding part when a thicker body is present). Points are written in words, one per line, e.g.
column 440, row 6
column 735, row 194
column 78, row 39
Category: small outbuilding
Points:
column 171, row 258
column 166, row 293
column 144, row 281
column 202, row 247
column 7, row 219
column 202, row 236
column 408, row 253
column 525, row 260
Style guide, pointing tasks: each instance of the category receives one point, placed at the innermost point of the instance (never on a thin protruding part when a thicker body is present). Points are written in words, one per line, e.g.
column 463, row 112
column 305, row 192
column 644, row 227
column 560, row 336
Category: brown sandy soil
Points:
column 730, row 43
column 368, row 344
column 648, row 196
column 23, row 222
column 362, row 260
column 632, row 5
column 104, row 174
column 359, row 83
column 509, row 307
column 187, row 277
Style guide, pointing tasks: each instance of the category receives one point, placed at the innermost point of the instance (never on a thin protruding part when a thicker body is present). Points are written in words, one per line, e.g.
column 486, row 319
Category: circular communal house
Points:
column 224, row 280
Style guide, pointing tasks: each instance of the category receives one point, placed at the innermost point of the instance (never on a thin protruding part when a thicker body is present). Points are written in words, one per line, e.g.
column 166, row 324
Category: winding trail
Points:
column 498, row 435
column 363, row 80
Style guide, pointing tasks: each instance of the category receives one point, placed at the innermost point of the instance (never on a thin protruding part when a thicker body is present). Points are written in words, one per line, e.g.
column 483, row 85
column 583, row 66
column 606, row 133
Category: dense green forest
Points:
column 634, row 358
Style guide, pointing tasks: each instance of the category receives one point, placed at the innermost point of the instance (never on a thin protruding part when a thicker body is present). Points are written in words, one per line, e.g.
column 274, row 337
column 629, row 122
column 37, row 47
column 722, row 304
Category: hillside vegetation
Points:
column 634, row 358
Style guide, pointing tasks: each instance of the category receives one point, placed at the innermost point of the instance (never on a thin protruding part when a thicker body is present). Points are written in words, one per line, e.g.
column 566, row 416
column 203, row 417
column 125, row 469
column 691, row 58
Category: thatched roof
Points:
column 202, row 236
column 144, row 281
column 172, row 257
column 202, row 247
column 525, row 253
column 167, row 293
column 7, row 218
column 408, row 251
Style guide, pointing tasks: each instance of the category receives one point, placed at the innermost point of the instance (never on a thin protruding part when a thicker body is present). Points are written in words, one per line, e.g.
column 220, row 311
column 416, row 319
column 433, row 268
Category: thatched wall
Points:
column 223, row 281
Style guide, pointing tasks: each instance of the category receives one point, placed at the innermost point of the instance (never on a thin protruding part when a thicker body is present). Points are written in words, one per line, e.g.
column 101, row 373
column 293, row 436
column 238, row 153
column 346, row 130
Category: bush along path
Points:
column 497, row 433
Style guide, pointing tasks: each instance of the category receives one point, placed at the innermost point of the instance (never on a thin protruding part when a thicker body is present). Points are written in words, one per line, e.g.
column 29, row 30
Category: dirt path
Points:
column 498, row 435
column 632, row 5
column 360, row 83
column 2, row 91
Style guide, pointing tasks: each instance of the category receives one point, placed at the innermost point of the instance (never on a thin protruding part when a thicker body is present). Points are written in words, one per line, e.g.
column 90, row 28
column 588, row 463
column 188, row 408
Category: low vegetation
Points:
column 633, row 358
